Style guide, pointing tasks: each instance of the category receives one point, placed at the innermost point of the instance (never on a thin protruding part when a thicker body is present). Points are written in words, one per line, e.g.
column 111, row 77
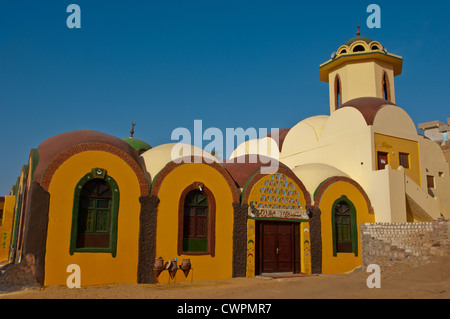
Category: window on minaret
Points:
column 386, row 89
column 337, row 92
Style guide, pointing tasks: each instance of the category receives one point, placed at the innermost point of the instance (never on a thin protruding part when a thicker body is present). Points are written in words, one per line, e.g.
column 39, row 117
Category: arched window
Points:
column 337, row 92
column 195, row 216
column 359, row 48
column 345, row 233
column 196, row 233
column 386, row 88
column 94, row 217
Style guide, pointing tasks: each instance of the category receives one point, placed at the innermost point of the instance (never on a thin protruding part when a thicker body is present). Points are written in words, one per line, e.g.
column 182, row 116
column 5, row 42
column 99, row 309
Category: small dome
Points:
column 159, row 156
column 137, row 144
column 358, row 38
column 358, row 45
column 360, row 48
column 313, row 174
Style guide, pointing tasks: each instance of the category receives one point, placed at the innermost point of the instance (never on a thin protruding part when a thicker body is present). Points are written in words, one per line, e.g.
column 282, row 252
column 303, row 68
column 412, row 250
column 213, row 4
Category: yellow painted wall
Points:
column 305, row 247
column 96, row 268
column 380, row 68
column 205, row 267
column 393, row 146
column 5, row 227
column 361, row 79
column 343, row 262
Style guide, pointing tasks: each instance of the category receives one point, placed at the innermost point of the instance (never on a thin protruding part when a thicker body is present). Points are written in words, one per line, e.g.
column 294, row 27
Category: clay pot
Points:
column 159, row 262
column 185, row 266
column 172, row 268
column 158, row 267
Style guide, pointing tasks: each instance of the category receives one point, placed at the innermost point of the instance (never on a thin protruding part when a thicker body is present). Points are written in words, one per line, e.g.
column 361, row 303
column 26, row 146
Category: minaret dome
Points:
column 360, row 68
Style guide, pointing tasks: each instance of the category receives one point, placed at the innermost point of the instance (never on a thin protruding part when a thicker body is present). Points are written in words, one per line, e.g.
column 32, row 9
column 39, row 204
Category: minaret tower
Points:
column 360, row 68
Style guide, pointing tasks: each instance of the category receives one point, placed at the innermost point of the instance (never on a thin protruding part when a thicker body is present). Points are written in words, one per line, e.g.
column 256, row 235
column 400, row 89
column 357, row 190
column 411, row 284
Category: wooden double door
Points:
column 277, row 247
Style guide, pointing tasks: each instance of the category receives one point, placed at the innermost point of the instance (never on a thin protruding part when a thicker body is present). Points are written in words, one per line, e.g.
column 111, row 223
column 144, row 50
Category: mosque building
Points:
column 126, row 212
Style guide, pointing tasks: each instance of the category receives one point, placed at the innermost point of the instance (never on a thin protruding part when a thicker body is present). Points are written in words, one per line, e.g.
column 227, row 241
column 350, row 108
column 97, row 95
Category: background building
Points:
column 436, row 131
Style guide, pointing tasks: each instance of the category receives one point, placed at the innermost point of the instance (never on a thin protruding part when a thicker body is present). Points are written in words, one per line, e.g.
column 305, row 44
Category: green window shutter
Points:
column 195, row 228
column 344, row 227
column 95, row 213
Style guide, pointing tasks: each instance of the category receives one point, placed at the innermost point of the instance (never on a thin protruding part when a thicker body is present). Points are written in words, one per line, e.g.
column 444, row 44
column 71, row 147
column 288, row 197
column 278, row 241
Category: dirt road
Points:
column 400, row 281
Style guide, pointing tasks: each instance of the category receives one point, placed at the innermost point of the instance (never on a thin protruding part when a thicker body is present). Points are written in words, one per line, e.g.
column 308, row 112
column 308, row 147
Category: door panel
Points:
column 284, row 232
column 269, row 256
column 296, row 248
column 276, row 247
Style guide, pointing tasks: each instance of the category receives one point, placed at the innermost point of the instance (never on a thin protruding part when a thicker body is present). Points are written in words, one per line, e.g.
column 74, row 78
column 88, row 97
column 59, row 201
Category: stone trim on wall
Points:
column 239, row 267
column 36, row 226
column 147, row 239
column 315, row 226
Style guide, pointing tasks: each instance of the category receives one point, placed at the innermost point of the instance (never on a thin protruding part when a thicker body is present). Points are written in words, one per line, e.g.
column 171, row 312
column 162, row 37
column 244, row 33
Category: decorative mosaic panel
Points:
column 277, row 196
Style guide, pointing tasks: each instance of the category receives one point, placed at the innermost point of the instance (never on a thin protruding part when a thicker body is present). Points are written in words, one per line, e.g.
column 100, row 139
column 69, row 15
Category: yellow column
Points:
column 250, row 248
column 305, row 248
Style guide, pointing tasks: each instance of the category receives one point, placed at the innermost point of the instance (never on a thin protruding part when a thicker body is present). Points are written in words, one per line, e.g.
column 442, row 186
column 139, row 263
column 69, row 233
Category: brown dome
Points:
column 55, row 145
column 281, row 136
column 244, row 167
column 368, row 106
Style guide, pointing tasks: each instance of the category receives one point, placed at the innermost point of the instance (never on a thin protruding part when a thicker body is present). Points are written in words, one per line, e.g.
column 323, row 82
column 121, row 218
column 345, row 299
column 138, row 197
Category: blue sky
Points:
column 163, row 64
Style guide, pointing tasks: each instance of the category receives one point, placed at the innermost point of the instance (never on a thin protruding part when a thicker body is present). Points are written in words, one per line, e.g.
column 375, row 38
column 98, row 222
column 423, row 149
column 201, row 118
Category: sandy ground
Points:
column 431, row 281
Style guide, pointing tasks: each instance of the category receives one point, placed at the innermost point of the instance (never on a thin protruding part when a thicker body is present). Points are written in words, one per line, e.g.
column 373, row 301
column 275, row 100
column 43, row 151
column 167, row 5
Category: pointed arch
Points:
column 386, row 87
column 344, row 227
column 337, row 92
column 95, row 214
